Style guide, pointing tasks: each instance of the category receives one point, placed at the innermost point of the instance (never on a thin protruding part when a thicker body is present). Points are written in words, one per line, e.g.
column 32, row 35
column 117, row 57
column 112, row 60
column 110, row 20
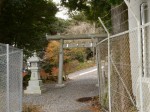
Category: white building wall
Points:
column 135, row 6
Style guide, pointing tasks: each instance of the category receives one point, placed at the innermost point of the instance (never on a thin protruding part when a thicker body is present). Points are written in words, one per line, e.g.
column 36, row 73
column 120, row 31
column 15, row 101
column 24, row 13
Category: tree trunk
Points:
column 1, row 2
column 121, row 57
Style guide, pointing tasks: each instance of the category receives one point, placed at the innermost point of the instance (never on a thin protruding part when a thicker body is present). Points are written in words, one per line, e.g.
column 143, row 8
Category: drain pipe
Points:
column 143, row 21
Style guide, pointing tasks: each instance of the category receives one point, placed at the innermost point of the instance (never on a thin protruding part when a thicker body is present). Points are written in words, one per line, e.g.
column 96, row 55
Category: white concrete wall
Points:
column 135, row 5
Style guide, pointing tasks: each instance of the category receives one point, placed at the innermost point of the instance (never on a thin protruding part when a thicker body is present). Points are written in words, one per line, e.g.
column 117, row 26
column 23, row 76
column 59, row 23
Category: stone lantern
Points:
column 34, row 84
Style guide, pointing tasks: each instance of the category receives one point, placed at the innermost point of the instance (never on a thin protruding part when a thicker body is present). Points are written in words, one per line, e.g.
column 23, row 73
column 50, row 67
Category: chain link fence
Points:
column 124, row 60
column 10, row 79
column 102, row 55
column 124, row 73
column 122, row 99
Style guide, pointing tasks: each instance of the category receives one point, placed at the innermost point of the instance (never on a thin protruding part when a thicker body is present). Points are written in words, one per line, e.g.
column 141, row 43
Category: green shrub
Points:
column 26, row 78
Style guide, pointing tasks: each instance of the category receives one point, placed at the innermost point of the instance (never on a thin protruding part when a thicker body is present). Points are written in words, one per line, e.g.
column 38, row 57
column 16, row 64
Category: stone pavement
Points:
column 81, row 84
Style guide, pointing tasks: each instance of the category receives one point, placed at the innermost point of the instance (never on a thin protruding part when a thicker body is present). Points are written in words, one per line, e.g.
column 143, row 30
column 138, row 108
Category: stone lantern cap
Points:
column 34, row 58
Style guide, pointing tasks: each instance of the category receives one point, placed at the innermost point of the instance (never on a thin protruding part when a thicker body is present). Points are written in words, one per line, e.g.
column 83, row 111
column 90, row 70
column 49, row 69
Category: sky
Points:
column 62, row 11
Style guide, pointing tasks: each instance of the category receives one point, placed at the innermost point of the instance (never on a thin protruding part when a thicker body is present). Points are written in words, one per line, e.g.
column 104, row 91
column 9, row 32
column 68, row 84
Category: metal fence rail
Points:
column 10, row 79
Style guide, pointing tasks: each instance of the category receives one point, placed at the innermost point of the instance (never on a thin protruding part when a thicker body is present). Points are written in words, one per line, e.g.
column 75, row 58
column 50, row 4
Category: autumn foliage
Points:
column 71, row 57
column 52, row 52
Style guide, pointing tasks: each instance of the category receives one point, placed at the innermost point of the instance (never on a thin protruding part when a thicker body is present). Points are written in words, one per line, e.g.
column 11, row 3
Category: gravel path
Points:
column 81, row 84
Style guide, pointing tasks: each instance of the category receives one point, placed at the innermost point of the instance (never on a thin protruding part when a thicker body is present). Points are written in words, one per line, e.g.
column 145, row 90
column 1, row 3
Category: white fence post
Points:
column 109, row 62
column 21, row 85
column 7, row 74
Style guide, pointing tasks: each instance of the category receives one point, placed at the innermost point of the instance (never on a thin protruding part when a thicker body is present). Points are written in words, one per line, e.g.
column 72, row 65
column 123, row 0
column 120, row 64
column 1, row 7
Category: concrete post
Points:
column 98, row 73
column 97, row 63
column 61, row 56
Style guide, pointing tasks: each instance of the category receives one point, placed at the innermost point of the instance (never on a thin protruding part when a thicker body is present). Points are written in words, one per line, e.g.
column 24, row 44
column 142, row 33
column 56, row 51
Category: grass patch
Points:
column 32, row 108
column 76, row 66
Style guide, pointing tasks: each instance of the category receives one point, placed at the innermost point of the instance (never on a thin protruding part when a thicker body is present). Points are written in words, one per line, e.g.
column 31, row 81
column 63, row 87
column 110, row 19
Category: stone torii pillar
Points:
column 61, row 58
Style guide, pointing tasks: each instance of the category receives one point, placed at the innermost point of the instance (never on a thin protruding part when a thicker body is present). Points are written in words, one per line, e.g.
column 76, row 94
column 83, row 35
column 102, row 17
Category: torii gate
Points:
column 62, row 38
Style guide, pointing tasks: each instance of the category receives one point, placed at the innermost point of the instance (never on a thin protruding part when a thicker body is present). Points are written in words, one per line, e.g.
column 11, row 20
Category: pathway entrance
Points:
column 81, row 84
